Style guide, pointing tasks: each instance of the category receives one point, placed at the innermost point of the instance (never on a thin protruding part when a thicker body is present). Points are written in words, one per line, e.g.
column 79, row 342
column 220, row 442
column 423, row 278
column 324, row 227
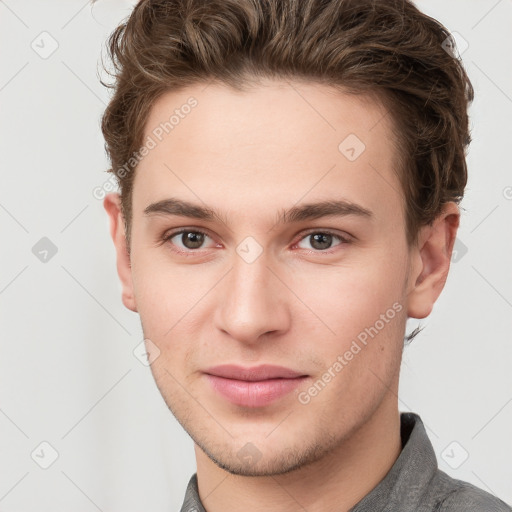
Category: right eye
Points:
column 190, row 239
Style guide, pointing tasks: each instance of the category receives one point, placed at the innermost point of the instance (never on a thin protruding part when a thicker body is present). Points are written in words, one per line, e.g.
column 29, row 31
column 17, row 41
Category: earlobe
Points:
column 432, row 261
column 112, row 205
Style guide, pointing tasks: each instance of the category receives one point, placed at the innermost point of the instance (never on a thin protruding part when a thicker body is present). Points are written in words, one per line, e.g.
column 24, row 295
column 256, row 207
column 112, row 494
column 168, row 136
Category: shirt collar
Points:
column 405, row 484
column 402, row 487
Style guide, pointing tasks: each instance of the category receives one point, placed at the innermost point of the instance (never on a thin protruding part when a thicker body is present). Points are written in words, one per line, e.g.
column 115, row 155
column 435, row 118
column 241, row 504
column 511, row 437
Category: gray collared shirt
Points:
column 413, row 484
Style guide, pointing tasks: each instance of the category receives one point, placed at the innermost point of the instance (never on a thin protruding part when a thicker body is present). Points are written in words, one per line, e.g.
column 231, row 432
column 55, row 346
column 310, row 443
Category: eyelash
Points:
column 190, row 252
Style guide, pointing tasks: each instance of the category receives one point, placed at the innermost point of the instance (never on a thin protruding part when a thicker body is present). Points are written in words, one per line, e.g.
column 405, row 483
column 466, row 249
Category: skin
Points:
column 249, row 155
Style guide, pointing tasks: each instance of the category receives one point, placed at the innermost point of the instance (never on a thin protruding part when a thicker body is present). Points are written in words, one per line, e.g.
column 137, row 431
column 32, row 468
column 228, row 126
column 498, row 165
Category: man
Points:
column 290, row 174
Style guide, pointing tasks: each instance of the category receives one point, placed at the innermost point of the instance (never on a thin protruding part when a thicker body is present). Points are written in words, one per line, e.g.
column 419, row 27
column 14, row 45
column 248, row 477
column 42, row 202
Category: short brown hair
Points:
column 386, row 48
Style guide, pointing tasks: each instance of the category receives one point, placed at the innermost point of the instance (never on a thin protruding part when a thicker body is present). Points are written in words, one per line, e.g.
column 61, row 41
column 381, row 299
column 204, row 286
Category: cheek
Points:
column 163, row 293
column 352, row 298
column 364, row 309
column 172, row 302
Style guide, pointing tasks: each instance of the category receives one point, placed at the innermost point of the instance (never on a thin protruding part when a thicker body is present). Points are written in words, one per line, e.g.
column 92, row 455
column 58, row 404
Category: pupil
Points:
column 321, row 240
column 192, row 240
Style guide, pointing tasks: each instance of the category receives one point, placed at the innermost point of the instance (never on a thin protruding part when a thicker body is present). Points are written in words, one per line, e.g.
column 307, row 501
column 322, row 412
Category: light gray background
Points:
column 69, row 377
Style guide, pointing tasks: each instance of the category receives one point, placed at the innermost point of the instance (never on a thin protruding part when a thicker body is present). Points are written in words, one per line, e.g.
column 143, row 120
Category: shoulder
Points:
column 460, row 496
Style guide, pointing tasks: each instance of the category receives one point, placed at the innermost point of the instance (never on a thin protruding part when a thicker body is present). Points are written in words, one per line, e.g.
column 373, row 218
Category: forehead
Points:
column 268, row 148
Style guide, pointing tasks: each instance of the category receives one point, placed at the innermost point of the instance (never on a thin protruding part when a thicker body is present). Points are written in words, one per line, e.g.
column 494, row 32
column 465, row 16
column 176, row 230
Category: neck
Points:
column 335, row 482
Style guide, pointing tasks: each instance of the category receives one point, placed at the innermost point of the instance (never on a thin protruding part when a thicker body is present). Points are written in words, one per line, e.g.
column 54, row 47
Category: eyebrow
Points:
column 297, row 213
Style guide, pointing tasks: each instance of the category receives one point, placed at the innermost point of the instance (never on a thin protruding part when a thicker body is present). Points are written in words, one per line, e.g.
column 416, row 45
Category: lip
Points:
column 253, row 387
column 255, row 373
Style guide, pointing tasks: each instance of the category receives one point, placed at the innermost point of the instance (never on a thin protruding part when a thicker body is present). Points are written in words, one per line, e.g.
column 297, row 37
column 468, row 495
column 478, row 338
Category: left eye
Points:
column 321, row 240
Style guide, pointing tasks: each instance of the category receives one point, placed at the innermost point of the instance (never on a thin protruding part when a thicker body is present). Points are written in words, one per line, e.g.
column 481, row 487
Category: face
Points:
column 232, row 263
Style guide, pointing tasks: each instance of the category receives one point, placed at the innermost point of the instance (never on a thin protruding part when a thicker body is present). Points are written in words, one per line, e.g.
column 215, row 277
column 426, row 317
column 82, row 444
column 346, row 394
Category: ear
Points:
column 431, row 261
column 112, row 204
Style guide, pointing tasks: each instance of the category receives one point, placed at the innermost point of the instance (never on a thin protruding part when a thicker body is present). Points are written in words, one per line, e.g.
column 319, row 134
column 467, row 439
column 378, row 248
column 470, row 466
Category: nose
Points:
column 252, row 302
